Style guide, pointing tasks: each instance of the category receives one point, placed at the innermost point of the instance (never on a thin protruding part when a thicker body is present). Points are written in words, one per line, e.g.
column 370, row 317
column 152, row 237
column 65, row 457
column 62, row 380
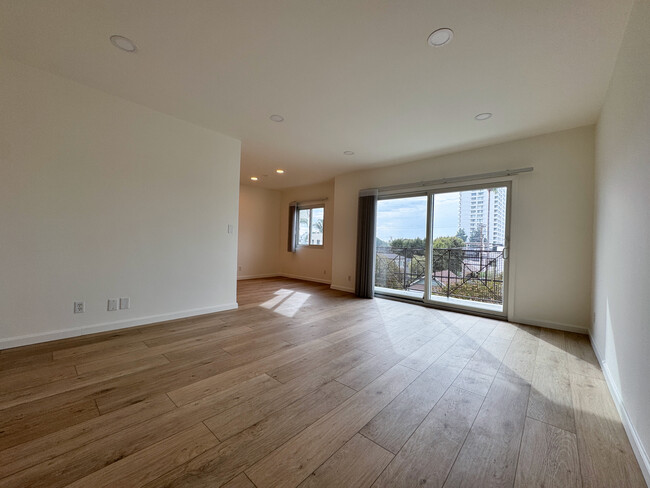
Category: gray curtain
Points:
column 291, row 238
column 366, row 229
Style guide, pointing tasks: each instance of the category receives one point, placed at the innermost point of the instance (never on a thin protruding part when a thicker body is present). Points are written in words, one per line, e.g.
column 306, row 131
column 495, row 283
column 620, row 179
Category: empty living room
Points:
column 324, row 243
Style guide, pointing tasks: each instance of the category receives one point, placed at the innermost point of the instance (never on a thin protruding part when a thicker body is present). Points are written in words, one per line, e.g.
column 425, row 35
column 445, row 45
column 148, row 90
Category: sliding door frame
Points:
column 450, row 188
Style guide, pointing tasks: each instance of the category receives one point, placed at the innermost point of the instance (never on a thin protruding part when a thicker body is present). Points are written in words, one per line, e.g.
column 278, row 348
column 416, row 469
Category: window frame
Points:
column 297, row 236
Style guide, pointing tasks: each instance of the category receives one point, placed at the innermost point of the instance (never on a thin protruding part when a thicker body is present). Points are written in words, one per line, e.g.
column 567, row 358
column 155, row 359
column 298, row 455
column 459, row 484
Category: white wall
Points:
column 102, row 198
column 258, row 253
column 551, row 226
column 621, row 331
column 310, row 263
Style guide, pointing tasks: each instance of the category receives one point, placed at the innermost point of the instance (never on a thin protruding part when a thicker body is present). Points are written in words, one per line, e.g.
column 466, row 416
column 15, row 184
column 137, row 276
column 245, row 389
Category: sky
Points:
column 406, row 217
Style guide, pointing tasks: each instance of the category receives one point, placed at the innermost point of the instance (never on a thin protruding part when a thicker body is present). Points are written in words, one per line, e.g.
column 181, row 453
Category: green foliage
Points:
column 476, row 236
column 448, row 243
column 461, row 235
column 416, row 243
column 487, row 291
column 448, row 254
column 408, row 247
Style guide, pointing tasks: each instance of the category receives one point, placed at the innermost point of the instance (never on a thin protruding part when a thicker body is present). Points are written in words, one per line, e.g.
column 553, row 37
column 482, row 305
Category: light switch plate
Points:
column 112, row 305
column 125, row 303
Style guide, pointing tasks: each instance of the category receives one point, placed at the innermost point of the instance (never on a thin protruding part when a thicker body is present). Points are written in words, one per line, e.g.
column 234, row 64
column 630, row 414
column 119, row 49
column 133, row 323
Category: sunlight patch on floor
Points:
column 281, row 295
column 287, row 302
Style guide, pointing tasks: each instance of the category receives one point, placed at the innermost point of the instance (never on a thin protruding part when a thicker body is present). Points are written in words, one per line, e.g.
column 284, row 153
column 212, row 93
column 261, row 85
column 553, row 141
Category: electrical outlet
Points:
column 230, row 228
column 238, row 268
column 79, row 307
column 125, row 303
column 349, row 277
column 112, row 305
column 324, row 271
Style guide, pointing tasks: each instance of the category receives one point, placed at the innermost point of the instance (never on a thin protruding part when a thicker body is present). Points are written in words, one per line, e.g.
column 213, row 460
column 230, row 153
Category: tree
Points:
column 408, row 247
column 448, row 242
column 448, row 254
column 461, row 235
column 476, row 236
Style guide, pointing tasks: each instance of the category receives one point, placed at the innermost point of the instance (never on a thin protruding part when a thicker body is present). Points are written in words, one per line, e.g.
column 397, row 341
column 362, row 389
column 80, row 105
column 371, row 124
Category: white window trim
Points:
column 310, row 208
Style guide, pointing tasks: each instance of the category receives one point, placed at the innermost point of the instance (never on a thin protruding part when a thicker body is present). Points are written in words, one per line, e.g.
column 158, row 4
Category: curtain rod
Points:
column 455, row 179
column 309, row 202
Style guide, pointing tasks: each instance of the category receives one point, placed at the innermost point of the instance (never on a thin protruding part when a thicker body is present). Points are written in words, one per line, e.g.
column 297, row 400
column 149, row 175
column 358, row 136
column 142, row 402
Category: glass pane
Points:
column 317, row 215
column 401, row 242
column 467, row 262
column 303, row 227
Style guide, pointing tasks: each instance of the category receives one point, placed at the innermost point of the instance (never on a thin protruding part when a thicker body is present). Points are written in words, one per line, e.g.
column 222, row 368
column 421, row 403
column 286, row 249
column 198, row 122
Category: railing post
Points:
column 448, row 276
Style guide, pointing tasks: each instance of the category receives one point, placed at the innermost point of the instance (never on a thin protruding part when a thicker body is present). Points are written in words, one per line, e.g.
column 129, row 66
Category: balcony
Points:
column 467, row 274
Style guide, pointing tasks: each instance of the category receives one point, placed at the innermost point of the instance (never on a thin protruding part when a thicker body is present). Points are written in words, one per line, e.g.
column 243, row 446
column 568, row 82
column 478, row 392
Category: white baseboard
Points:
column 284, row 275
column 637, row 445
column 107, row 326
column 342, row 288
column 551, row 325
column 304, row 278
column 254, row 277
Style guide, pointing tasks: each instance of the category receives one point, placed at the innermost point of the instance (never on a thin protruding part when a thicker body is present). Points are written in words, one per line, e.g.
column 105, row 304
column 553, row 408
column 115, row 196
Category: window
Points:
column 310, row 226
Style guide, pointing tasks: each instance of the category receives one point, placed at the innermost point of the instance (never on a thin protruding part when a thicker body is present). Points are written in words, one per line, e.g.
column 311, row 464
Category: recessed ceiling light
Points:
column 483, row 116
column 440, row 37
column 348, row 153
column 279, row 171
column 123, row 43
column 277, row 118
column 254, row 178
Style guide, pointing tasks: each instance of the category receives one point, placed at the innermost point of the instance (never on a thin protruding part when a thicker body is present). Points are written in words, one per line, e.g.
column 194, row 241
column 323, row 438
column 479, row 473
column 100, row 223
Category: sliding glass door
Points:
column 469, row 231
column 401, row 246
column 448, row 248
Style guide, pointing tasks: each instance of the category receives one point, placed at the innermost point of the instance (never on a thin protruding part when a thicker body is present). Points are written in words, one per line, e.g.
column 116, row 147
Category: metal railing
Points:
column 464, row 273
column 400, row 268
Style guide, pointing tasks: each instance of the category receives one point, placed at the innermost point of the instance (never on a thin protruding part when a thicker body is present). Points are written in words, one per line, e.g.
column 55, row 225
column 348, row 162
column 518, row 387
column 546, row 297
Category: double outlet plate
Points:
column 124, row 304
column 113, row 305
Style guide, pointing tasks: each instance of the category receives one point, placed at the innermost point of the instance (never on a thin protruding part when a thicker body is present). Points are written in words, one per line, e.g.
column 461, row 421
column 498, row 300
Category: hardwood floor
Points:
column 311, row 387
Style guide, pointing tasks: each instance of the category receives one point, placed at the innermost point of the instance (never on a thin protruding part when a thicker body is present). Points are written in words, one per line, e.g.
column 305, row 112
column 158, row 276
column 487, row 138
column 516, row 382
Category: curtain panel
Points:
column 291, row 238
column 366, row 230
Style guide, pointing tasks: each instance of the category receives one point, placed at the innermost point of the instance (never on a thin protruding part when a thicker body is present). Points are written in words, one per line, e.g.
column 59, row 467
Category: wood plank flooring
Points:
column 306, row 386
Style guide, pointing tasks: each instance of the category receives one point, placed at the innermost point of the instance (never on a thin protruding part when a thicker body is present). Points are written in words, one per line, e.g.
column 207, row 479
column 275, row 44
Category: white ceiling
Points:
column 346, row 74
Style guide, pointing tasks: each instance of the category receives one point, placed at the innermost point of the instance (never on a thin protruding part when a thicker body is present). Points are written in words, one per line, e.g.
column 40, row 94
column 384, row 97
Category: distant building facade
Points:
column 484, row 210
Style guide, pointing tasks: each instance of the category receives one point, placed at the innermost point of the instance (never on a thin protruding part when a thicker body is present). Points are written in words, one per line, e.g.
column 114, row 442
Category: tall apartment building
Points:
column 484, row 210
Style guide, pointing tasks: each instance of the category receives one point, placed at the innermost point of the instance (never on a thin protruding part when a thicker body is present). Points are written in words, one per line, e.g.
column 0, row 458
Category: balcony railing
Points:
column 467, row 274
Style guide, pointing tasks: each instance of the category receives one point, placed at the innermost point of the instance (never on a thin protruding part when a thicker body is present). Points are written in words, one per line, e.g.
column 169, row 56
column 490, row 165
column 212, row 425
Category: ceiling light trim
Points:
column 440, row 37
column 123, row 43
